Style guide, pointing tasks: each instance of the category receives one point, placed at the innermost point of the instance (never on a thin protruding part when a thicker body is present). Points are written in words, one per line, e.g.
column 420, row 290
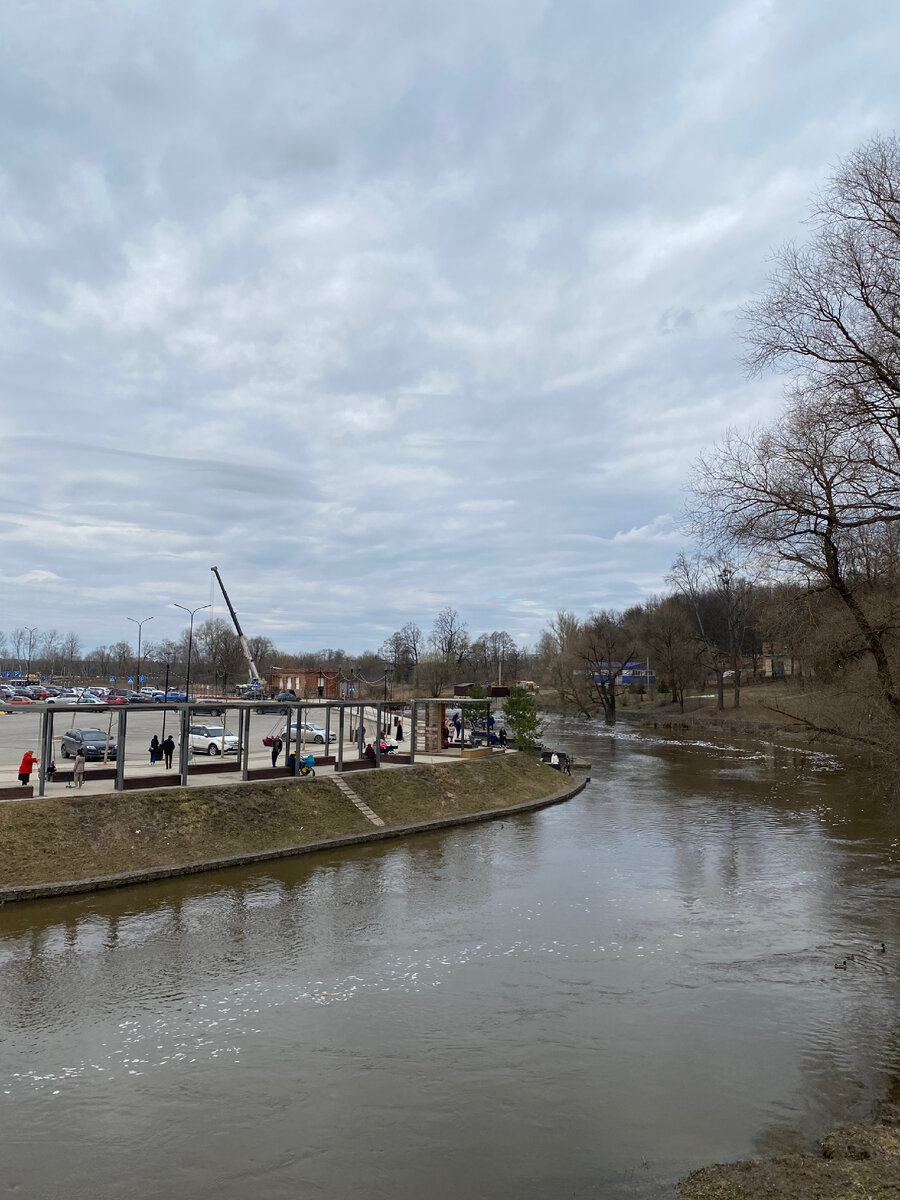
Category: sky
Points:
column 382, row 308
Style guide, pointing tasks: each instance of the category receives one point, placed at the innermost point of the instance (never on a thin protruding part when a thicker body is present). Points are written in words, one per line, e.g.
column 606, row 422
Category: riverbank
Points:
column 860, row 1160
column 78, row 843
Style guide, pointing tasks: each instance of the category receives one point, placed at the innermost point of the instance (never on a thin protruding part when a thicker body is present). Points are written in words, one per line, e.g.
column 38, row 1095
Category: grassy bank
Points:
column 860, row 1161
column 79, row 837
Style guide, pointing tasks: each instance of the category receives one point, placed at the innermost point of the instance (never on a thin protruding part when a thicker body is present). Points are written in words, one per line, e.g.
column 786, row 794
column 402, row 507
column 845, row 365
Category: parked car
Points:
column 93, row 741
column 309, row 732
column 114, row 699
column 18, row 701
column 213, row 740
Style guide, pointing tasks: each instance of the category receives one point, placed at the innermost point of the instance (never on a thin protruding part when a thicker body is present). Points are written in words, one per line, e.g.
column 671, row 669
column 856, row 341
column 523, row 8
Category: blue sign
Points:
column 112, row 679
column 142, row 678
column 15, row 674
column 255, row 683
column 131, row 679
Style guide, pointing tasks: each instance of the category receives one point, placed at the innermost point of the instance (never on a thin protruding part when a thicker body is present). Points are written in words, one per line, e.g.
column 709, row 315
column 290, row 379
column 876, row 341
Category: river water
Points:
column 588, row 1001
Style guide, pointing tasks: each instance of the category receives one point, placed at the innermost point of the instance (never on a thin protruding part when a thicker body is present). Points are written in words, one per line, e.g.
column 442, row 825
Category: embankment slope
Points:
column 71, row 838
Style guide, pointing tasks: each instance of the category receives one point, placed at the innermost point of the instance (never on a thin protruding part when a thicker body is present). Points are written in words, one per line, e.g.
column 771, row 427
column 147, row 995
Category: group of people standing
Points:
column 495, row 739
column 164, row 750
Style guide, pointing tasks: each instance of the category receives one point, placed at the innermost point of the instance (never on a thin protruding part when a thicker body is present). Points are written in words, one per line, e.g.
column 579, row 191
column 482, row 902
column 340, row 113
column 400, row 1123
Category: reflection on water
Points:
column 589, row 1000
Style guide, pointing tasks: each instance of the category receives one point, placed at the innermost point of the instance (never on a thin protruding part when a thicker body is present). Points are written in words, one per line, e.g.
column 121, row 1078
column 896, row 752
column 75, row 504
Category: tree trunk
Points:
column 720, row 690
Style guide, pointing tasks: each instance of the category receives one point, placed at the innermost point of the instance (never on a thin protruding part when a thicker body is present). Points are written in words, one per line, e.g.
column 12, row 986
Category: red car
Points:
column 17, row 700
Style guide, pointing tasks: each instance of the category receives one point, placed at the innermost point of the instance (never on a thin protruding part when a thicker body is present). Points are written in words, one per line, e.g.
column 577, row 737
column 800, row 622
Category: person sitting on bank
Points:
column 370, row 751
column 502, row 735
column 554, row 761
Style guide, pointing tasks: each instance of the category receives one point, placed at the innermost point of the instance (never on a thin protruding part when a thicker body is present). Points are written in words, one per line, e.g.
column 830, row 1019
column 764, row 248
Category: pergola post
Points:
column 245, row 746
column 120, row 749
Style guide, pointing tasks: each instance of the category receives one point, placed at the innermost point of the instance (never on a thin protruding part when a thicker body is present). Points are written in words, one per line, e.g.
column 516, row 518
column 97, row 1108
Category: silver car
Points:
column 309, row 732
column 213, row 740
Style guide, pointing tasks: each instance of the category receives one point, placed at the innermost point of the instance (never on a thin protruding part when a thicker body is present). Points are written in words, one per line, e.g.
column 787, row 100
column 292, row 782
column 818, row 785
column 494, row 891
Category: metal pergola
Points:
column 334, row 717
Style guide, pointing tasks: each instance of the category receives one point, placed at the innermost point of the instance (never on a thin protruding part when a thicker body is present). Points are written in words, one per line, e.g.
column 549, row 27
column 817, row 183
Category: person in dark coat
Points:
column 399, row 734
column 168, row 749
column 370, row 751
column 277, row 747
column 154, row 750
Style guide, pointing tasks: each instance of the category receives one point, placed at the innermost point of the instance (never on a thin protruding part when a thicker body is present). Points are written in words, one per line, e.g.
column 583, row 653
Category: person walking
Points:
column 168, row 749
column 399, row 730
column 154, row 750
column 277, row 747
column 26, row 766
column 78, row 768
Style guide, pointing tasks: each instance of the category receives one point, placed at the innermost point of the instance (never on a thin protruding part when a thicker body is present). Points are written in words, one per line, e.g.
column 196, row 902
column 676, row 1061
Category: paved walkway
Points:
column 217, row 778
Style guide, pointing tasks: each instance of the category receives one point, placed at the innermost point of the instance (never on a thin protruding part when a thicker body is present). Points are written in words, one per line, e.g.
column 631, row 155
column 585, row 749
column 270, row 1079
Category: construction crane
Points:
column 254, row 673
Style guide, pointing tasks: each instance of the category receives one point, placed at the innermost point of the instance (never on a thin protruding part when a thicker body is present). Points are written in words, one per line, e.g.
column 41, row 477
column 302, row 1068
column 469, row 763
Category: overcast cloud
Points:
column 386, row 307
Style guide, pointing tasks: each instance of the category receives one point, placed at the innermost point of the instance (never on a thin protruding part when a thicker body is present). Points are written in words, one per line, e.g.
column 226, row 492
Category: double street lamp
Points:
column 140, row 625
column 199, row 608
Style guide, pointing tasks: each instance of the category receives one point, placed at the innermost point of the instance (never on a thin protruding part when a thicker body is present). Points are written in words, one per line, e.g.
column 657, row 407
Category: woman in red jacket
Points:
column 26, row 766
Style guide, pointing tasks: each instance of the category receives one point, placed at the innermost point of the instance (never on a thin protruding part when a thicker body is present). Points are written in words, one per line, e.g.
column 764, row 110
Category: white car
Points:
column 309, row 732
column 213, row 740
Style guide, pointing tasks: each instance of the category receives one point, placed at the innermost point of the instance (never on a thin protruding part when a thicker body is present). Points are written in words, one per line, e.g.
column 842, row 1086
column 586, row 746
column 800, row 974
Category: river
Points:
column 587, row 1001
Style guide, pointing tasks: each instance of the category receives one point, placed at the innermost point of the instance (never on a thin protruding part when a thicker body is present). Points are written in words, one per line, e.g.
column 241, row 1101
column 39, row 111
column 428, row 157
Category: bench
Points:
column 213, row 767
column 17, row 793
column 140, row 783
column 477, row 752
column 65, row 775
column 357, row 764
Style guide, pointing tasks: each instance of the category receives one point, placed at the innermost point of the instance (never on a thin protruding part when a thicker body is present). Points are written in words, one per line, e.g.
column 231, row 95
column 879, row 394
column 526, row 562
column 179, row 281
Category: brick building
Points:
column 306, row 683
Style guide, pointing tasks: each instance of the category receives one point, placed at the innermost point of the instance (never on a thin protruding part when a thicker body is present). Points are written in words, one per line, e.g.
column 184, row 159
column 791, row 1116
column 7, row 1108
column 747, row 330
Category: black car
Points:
column 92, row 741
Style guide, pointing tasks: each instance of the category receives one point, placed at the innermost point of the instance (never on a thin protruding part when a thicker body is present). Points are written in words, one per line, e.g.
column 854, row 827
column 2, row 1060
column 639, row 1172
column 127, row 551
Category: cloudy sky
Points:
column 385, row 307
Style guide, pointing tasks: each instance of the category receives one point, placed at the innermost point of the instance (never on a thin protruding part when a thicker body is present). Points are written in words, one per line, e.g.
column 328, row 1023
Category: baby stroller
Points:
column 307, row 764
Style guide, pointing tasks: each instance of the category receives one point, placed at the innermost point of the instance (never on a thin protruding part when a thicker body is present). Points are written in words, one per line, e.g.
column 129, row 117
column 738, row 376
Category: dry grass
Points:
column 76, row 837
column 862, row 1161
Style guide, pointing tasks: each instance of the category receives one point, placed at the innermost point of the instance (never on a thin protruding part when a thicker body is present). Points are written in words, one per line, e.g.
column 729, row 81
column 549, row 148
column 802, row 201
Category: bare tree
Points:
column 610, row 643
column 412, row 639
column 831, row 315
column 668, row 638
column 561, row 656
column 805, row 495
column 70, row 648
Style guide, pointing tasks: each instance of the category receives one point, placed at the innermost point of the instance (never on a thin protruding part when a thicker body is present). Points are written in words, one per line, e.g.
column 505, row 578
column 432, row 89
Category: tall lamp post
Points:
column 199, row 608
column 140, row 625
column 31, row 633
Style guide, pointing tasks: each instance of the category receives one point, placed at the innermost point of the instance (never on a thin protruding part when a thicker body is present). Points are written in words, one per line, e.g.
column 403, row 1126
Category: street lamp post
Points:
column 192, row 611
column 140, row 625
column 31, row 633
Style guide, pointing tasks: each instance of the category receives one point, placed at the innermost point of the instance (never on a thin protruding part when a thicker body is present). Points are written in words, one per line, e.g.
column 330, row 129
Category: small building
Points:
column 306, row 683
column 639, row 674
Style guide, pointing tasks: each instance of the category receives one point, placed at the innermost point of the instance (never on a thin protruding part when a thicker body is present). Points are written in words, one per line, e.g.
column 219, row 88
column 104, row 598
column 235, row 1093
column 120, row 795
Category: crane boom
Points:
column 254, row 673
